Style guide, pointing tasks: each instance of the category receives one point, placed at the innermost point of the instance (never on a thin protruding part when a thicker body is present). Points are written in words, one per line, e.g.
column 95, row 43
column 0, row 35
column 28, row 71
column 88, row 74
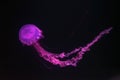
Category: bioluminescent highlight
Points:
column 29, row 35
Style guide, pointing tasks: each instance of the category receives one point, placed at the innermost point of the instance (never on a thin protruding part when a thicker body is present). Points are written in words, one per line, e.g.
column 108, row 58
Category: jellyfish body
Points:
column 29, row 34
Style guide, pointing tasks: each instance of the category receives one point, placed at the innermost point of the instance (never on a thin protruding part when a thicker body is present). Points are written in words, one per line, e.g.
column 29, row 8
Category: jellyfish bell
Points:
column 30, row 34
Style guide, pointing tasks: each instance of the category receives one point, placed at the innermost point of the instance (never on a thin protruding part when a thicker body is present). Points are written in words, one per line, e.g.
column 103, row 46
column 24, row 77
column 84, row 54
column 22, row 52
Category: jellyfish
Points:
column 30, row 34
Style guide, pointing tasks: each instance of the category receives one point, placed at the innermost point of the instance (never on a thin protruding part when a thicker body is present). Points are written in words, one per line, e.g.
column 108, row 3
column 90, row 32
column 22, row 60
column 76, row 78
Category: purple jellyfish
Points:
column 29, row 35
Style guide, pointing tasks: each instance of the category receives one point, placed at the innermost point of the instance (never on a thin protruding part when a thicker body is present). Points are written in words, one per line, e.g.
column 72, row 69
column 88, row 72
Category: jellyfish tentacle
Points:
column 80, row 51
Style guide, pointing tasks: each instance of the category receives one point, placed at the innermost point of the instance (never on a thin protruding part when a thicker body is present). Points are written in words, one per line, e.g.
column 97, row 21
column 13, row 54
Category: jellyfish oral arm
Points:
column 54, row 59
column 101, row 34
column 29, row 34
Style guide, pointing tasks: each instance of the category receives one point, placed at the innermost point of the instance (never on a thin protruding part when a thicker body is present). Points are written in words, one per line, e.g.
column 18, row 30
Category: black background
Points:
column 66, row 25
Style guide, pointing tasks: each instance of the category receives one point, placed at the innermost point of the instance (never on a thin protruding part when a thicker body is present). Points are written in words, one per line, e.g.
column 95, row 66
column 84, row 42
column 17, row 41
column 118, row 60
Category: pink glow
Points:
column 29, row 34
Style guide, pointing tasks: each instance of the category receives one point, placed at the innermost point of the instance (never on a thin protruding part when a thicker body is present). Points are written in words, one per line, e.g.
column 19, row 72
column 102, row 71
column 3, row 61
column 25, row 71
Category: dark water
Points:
column 66, row 25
